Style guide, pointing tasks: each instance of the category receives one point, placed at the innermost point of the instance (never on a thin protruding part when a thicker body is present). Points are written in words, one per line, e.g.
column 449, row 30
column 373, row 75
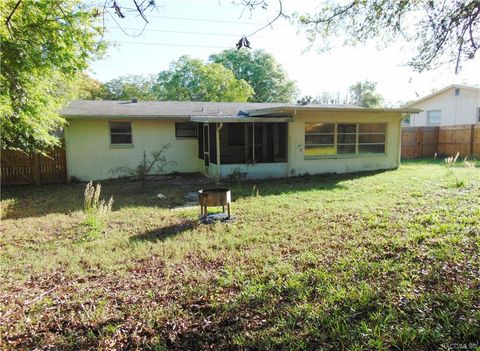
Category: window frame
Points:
column 120, row 145
column 357, row 141
column 186, row 136
column 439, row 118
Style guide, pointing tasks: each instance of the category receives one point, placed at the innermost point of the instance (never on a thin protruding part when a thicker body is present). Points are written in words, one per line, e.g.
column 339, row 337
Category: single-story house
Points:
column 452, row 105
column 258, row 140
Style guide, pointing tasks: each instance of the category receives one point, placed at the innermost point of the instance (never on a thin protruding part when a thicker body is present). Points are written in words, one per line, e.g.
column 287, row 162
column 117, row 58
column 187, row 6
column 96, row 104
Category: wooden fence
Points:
column 418, row 142
column 22, row 168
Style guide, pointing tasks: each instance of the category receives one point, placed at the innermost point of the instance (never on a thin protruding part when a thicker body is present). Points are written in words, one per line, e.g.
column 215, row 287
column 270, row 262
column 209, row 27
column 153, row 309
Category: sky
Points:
column 201, row 27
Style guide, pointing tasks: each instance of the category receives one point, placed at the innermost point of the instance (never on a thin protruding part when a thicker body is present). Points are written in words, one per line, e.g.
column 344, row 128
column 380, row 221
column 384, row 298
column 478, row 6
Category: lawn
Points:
column 384, row 261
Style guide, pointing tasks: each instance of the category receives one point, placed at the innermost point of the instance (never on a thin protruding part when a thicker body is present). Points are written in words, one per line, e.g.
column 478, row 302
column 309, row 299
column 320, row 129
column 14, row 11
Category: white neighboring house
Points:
column 453, row 105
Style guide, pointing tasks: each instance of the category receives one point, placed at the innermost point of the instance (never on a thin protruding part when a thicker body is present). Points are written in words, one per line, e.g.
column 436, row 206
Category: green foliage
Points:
column 190, row 79
column 88, row 88
column 265, row 75
column 364, row 94
column 443, row 32
column 130, row 86
column 44, row 44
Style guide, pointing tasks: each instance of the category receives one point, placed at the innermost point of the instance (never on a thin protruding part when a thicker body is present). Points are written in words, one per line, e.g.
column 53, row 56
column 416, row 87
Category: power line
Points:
column 197, row 33
column 175, row 45
column 194, row 19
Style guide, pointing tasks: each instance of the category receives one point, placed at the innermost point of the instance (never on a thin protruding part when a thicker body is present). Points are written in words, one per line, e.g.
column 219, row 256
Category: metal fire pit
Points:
column 214, row 197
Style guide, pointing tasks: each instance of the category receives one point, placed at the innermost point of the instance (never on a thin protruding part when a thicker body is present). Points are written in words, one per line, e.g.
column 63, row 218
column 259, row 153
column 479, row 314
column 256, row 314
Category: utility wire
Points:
column 198, row 33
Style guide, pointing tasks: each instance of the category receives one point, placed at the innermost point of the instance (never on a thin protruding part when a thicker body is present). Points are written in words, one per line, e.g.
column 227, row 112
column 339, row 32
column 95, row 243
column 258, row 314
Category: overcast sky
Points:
column 200, row 28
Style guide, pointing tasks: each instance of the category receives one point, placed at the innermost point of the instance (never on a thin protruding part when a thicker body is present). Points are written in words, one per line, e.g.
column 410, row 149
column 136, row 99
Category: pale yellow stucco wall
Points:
column 298, row 165
column 90, row 156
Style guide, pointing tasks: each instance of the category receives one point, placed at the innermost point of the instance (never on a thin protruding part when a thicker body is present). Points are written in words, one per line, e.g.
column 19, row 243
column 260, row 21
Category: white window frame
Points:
column 110, row 134
column 357, row 141
column 439, row 117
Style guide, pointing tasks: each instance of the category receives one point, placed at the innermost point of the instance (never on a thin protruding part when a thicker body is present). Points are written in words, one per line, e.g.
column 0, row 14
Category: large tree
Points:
column 260, row 69
column 130, row 86
column 365, row 94
column 44, row 45
column 193, row 80
column 442, row 31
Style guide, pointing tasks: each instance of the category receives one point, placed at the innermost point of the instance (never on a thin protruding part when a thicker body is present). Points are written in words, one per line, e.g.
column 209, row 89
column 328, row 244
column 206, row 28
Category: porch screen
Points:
column 249, row 143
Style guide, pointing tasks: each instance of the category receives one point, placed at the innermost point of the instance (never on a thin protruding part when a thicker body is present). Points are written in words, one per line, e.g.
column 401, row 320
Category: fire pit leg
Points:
column 228, row 209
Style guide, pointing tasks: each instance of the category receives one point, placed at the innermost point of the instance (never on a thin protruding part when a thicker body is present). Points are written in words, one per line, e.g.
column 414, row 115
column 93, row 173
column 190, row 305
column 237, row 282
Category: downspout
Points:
column 217, row 135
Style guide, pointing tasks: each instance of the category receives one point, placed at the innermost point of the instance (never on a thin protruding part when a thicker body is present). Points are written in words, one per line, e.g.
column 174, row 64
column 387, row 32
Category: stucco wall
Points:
column 298, row 165
column 90, row 156
column 257, row 171
column 461, row 109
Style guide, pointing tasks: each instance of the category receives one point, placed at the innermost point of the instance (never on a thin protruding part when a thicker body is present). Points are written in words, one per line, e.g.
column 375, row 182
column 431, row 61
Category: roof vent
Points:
column 134, row 100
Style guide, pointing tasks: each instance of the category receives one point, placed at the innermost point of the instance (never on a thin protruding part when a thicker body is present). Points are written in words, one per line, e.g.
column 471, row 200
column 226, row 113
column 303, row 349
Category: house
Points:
column 259, row 140
column 453, row 105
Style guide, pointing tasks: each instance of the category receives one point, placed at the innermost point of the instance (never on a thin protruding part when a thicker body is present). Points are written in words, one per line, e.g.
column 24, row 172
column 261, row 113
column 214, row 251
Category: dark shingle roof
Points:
column 167, row 109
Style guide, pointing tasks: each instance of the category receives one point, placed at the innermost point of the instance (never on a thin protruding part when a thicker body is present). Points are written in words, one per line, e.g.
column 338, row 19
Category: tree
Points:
column 44, row 45
column 364, row 94
column 260, row 69
column 443, row 31
column 192, row 80
column 88, row 88
column 130, row 86
column 324, row 98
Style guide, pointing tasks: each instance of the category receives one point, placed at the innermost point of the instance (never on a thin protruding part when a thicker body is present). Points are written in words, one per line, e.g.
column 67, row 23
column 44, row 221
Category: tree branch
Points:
column 7, row 21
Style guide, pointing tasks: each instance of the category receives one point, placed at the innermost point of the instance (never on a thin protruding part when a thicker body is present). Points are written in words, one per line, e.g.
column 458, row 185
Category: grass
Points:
column 382, row 261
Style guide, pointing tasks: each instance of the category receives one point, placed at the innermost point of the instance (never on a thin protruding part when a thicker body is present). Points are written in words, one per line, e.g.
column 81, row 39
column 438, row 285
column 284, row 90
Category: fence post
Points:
column 472, row 139
column 36, row 168
column 419, row 142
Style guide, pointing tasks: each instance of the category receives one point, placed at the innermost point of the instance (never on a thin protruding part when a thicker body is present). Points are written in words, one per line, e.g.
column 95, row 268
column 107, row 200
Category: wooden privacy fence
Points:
column 22, row 168
column 419, row 142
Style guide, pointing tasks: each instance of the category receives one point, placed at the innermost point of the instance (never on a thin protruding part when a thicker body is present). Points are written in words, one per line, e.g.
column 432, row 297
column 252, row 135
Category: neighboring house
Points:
column 220, row 139
column 453, row 105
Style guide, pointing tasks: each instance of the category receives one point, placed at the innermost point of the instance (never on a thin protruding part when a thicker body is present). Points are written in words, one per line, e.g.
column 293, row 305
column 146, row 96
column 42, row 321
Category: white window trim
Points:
column 428, row 118
column 119, row 146
column 357, row 142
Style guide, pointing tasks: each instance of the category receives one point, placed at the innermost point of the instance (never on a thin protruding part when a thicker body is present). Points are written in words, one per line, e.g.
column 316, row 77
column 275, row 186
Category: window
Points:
column 457, row 91
column 371, row 138
column 120, row 133
column 433, row 117
column 186, row 130
column 324, row 139
column 320, row 139
column 478, row 114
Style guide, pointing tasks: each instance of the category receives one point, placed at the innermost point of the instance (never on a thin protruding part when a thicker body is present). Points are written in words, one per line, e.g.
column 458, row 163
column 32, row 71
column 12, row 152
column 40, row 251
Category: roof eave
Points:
column 237, row 119
column 123, row 116
column 262, row 112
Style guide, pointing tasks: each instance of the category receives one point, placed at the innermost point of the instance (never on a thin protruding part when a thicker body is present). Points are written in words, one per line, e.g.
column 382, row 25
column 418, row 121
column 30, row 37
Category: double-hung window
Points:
column 120, row 133
column 346, row 139
column 434, row 117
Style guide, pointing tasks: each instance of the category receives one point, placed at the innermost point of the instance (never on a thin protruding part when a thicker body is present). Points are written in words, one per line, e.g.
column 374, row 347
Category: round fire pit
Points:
column 214, row 197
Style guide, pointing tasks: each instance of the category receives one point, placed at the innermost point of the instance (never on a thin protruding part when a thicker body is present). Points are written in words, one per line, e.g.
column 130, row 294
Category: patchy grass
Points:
column 386, row 260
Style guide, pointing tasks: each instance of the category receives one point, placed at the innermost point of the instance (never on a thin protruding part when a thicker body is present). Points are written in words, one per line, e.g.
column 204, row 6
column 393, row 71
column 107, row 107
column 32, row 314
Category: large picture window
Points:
column 185, row 129
column 120, row 133
column 328, row 139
